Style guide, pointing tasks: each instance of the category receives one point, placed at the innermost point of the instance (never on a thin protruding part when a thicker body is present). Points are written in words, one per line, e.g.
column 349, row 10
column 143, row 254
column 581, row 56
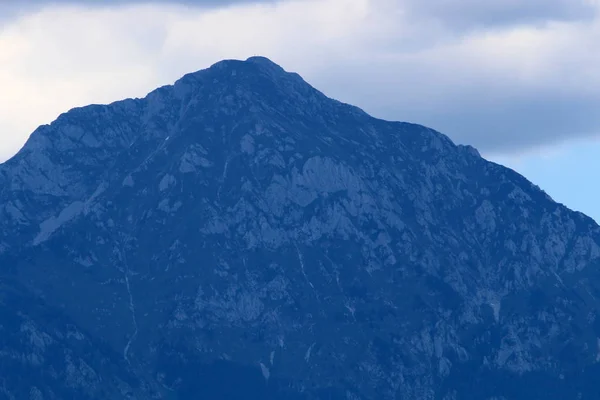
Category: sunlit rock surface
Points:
column 239, row 235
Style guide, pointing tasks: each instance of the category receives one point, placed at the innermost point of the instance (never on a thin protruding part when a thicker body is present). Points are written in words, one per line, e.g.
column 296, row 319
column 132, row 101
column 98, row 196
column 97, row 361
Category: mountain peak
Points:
column 261, row 60
column 251, row 67
column 264, row 62
column 240, row 233
column 258, row 60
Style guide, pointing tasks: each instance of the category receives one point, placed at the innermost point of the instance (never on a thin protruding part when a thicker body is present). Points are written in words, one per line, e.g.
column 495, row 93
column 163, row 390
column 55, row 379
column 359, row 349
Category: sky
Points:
column 519, row 80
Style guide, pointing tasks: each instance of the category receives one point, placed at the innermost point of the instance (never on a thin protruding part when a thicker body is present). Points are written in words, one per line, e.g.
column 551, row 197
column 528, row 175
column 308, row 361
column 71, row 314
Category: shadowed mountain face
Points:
column 239, row 235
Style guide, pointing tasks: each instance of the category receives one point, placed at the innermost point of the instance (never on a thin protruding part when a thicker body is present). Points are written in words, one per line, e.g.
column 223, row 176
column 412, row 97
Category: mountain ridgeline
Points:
column 239, row 235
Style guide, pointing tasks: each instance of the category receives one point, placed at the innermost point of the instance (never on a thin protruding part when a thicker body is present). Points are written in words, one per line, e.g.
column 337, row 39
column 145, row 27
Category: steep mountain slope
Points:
column 240, row 235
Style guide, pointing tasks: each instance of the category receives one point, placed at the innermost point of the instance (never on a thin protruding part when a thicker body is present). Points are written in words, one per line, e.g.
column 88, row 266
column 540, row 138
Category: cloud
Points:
column 461, row 14
column 502, row 76
column 10, row 9
column 109, row 3
column 16, row 5
column 501, row 90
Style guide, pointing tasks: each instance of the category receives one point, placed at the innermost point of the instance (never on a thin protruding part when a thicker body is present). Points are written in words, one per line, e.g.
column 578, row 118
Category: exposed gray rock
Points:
column 240, row 234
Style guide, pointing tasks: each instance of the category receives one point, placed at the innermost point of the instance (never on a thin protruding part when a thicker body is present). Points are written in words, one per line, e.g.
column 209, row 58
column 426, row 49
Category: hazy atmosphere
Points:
column 252, row 200
column 518, row 80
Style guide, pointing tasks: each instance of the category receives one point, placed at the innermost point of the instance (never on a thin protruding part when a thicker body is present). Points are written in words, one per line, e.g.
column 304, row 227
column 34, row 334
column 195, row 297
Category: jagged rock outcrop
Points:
column 240, row 234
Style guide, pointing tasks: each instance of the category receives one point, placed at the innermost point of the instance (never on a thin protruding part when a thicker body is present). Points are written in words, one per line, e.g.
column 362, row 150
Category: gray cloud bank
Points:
column 10, row 9
column 493, row 13
column 496, row 118
column 458, row 14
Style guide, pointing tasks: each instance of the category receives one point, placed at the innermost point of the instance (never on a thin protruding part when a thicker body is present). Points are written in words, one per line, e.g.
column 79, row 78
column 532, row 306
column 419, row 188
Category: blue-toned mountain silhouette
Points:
column 239, row 235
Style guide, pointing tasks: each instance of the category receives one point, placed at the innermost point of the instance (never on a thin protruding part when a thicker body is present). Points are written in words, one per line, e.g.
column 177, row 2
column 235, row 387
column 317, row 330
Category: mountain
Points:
column 239, row 235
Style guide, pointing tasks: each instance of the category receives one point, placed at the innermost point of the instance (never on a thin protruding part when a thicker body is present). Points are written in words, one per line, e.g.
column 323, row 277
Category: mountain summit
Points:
column 239, row 235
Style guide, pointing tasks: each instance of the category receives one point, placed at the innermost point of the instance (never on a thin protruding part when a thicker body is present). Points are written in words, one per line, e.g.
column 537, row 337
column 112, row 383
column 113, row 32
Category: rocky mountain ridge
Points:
column 240, row 235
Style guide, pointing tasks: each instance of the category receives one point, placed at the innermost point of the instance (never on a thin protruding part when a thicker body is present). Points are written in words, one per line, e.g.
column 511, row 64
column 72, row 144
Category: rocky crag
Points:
column 239, row 235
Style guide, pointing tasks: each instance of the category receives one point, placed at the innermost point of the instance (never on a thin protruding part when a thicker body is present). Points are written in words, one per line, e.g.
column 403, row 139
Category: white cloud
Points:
column 500, row 88
column 469, row 14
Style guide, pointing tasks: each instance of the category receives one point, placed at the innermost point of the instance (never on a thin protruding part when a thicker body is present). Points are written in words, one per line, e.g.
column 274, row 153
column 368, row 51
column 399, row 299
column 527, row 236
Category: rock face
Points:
column 239, row 235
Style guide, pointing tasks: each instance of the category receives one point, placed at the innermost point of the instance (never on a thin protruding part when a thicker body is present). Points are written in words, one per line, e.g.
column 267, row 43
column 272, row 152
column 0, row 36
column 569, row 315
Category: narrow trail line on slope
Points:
column 224, row 176
column 135, row 326
column 301, row 259
column 126, row 273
